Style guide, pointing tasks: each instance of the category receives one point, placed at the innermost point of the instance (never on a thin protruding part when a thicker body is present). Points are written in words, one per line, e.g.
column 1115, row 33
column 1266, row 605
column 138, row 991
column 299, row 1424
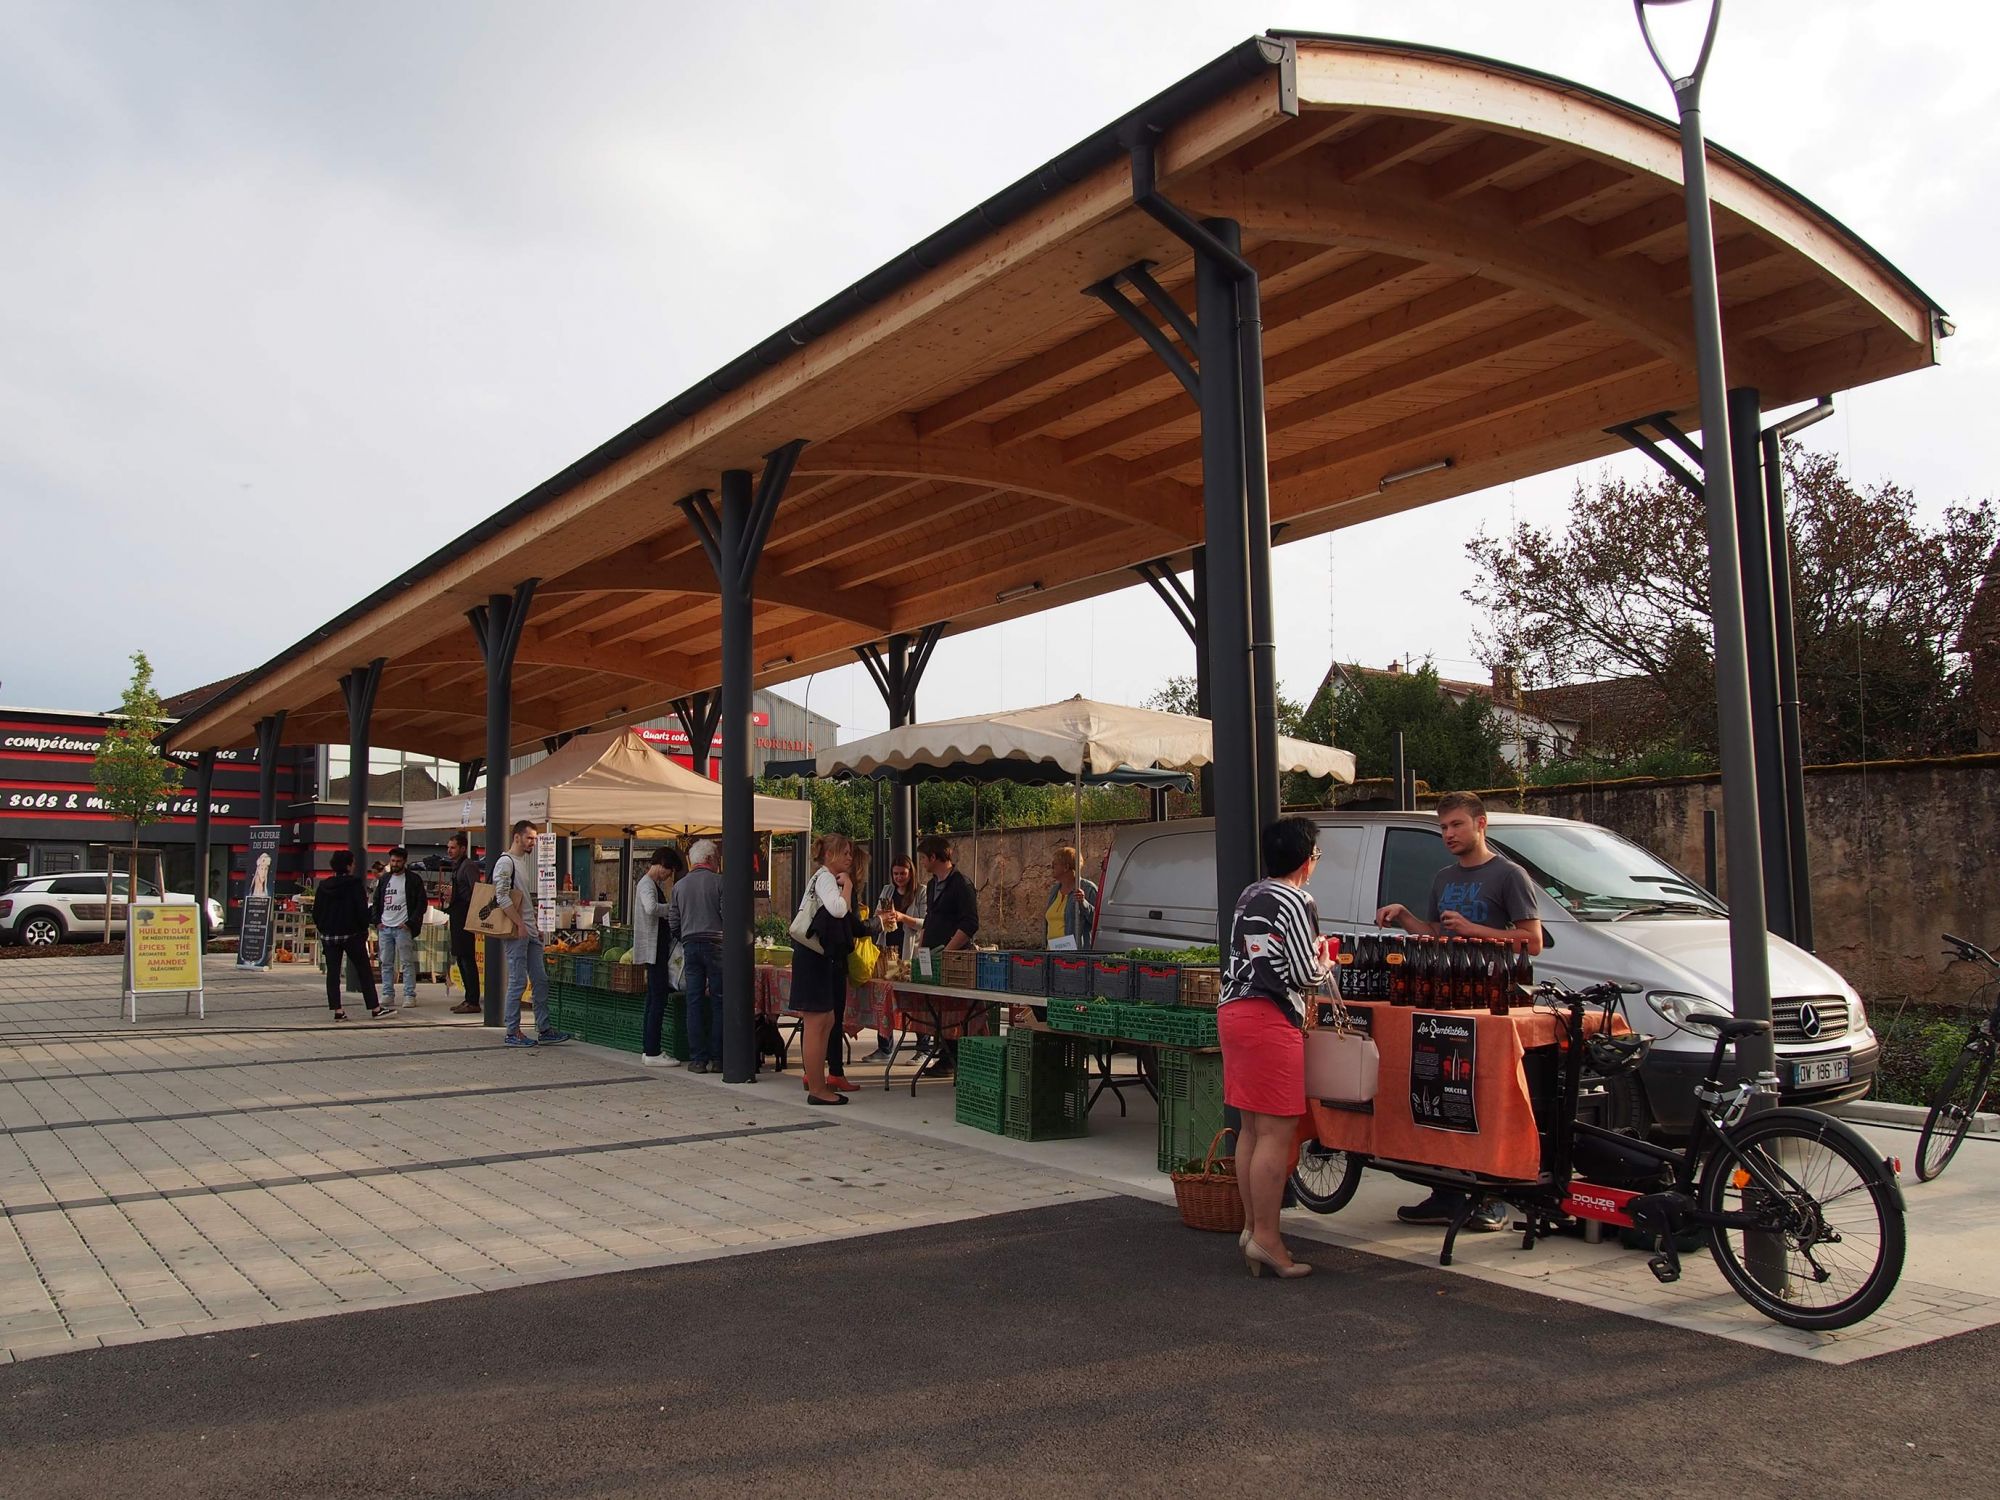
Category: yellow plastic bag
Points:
column 861, row 960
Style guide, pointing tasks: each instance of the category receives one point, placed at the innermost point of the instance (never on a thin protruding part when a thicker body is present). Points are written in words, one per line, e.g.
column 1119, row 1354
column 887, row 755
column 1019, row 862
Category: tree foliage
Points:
column 848, row 806
column 1451, row 745
column 133, row 778
column 1879, row 598
column 1178, row 696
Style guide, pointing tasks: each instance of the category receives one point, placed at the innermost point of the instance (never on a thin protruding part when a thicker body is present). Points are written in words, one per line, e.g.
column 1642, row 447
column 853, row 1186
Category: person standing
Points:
column 1484, row 895
column 1070, row 912
column 464, row 945
column 859, row 925
column 397, row 911
column 653, row 945
column 899, row 917
column 694, row 920
column 951, row 919
column 340, row 914
column 819, row 979
column 1274, row 960
column 513, row 889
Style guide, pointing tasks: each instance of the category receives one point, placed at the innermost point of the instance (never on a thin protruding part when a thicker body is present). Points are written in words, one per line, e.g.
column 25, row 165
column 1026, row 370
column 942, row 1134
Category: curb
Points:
column 1908, row 1116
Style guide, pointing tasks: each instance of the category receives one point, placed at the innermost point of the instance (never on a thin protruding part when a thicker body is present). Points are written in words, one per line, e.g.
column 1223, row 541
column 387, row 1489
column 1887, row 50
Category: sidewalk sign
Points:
column 163, row 955
column 545, row 881
column 253, row 949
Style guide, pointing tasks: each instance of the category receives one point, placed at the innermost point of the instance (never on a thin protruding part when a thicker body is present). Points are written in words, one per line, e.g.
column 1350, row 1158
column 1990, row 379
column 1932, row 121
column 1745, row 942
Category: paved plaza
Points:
column 180, row 1176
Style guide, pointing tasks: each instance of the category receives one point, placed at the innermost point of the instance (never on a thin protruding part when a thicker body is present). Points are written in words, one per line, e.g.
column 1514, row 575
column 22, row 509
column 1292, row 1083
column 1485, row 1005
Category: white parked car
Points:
column 43, row 910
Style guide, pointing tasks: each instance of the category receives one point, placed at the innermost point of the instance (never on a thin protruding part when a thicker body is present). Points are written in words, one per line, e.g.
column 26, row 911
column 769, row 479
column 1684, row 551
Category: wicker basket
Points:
column 1208, row 1199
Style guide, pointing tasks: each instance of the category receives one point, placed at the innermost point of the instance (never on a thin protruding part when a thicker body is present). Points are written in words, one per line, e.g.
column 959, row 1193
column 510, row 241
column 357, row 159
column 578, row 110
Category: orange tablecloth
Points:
column 1505, row 1145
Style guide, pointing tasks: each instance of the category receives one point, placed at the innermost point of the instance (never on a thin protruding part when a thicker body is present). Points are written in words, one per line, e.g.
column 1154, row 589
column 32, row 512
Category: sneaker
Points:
column 879, row 1055
column 515, row 1039
column 1439, row 1208
column 1489, row 1218
column 551, row 1037
column 660, row 1060
column 382, row 1012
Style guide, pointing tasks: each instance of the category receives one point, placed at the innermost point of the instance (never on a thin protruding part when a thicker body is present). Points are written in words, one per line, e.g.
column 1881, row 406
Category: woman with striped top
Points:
column 1275, row 960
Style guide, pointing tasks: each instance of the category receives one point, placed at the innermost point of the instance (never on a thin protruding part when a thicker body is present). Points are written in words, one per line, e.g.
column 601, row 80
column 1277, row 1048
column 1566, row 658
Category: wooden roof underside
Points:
column 1458, row 261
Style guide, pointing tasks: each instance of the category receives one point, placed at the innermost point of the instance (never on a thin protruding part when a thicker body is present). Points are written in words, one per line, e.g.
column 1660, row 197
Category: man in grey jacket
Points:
column 694, row 920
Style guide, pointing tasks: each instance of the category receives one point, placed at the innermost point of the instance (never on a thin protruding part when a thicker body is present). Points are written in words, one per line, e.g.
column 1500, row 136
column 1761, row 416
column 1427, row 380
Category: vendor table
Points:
column 1453, row 1091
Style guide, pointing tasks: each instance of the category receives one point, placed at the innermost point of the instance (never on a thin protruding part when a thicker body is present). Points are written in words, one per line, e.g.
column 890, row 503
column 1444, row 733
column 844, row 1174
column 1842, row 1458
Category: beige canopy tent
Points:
column 1081, row 737
column 601, row 785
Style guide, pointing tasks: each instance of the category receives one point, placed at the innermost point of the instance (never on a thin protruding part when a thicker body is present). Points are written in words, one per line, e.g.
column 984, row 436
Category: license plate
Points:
column 1819, row 1070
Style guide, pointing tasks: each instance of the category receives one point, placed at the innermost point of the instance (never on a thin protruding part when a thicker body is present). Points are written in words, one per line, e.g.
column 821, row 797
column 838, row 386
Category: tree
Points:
column 1879, row 599
column 1452, row 745
column 1178, row 696
column 133, row 777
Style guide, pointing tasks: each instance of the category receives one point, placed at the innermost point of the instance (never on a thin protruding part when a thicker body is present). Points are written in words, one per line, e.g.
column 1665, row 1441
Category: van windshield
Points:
column 1599, row 877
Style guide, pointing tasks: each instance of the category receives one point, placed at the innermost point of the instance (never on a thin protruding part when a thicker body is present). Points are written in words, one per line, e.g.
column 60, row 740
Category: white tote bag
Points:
column 802, row 921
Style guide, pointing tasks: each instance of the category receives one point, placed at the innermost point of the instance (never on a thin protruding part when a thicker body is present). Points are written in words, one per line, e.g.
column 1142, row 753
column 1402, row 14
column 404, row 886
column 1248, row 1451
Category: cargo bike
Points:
column 1802, row 1216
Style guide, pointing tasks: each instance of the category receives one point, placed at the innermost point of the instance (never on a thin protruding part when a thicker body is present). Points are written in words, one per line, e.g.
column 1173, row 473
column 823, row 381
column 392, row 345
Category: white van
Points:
column 1609, row 909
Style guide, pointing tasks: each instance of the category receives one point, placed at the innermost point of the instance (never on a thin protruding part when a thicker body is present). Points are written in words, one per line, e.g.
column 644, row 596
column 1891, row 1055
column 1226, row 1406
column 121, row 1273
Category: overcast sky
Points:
column 295, row 293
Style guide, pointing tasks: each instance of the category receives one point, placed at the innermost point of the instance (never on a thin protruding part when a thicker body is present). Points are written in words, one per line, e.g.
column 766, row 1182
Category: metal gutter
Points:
column 1112, row 144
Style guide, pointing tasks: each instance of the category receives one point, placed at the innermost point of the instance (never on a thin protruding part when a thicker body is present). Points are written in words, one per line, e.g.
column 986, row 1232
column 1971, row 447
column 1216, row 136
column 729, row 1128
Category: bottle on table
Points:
column 1396, row 972
column 1499, row 996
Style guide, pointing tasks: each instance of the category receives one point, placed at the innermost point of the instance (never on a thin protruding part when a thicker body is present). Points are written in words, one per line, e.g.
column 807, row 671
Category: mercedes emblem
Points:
column 1809, row 1022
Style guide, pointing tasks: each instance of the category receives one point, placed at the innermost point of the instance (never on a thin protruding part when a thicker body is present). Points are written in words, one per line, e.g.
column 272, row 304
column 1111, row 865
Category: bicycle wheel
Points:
column 1324, row 1181
column 1952, row 1110
column 1835, row 1245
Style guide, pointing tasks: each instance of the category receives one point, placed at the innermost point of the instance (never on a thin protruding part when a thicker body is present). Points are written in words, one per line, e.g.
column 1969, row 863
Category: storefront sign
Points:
column 163, row 948
column 254, row 951
column 1443, row 1051
column 760, row 867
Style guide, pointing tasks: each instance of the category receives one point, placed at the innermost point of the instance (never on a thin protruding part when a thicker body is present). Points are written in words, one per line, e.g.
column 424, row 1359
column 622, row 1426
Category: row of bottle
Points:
column 1437, row 973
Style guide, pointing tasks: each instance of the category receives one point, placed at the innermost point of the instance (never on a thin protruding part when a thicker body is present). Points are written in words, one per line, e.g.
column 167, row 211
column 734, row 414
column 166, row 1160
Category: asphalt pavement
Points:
column 1099, row 1348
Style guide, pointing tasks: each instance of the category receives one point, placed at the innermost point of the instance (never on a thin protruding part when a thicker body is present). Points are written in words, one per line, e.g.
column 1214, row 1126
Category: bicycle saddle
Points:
column 1730, row 1027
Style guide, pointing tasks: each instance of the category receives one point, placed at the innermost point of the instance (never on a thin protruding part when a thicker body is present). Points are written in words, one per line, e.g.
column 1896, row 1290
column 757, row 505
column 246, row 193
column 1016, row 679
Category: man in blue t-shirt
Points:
column 1484, row 895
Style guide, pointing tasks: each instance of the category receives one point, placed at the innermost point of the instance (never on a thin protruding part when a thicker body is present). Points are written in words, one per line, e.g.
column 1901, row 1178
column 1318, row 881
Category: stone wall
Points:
column 1900, row 851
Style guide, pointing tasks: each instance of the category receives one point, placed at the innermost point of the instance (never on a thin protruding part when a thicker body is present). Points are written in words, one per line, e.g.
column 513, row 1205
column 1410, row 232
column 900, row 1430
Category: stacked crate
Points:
column 982, row 1083
column 1046, row 1090
column 1190, row 1105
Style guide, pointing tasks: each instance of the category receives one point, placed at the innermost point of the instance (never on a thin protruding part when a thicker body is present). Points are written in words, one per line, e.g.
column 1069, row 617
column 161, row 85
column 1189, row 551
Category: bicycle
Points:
column 1963, row 1092
column 1804, row 1218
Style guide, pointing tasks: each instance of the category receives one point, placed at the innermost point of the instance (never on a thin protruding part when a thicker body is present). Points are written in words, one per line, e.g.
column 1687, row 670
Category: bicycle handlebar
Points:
column 1971, row 950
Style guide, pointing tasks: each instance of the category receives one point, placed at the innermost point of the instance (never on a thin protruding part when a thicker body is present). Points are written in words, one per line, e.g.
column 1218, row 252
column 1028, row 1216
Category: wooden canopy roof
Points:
column 1460, row 260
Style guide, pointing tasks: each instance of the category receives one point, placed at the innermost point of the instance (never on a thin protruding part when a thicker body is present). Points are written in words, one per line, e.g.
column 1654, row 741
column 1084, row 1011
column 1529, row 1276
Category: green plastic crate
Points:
column 1184, row 1026
column 1186, row 1128
column 982, row 1062
column 1191, row 1080
column 980, row 1107
column 1033, row 1052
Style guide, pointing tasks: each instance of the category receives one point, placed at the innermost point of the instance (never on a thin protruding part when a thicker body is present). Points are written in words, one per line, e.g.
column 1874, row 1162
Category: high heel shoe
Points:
column 1258, row 1259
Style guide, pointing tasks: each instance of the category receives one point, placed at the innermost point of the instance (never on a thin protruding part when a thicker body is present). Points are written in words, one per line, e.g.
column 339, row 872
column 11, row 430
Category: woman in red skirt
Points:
column 1274, row 960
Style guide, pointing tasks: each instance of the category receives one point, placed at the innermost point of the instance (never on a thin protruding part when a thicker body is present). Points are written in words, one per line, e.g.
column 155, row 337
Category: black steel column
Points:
column 1257, row 526
column 879, row 857
column 1233, row 723
column 497, row 625
column 269, row 732
column 204, row 788
column 1189, row 607
column 468, row 772
column 623, row 906
column 897, row 667
column 733, row 538
column 358, row 688
column 1760, row 639
column 1790, row 739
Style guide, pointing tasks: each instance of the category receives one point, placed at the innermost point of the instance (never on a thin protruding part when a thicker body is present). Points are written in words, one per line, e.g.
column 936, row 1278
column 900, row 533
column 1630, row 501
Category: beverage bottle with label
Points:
column 1499, row 999
column 1343, row 972
column 1396, row 972
column 1459, row 972
column 1522, row 975
column 1425, row 992
column 1364, row 982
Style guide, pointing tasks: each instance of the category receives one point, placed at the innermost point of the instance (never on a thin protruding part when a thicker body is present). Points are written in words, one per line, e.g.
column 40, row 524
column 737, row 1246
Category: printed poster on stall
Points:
column 1443, row 1052
column 545, row 883
column 163, row 948
column 253, row 951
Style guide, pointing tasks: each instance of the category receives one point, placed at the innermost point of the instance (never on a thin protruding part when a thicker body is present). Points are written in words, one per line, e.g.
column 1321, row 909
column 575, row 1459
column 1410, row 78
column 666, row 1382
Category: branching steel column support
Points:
column 1800, row 865
column 358, row 688
column 204, row 789
column 468, row 772
column 1227, row 331
column 897, row 667
column 497, row 625
column 1760, row 643
column 269, row 732
column 699, row 714
column 1190, row 611
column 733, row 538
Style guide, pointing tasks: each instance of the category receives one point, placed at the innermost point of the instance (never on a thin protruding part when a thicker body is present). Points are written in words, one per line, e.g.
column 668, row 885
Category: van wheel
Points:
column 1626, row 1108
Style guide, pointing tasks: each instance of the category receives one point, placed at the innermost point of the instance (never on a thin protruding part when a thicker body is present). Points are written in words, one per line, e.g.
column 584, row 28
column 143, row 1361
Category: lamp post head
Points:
column 1686, row 85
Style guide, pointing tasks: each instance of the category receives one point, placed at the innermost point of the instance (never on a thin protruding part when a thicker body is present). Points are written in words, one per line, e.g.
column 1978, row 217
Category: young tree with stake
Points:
column 133, row 778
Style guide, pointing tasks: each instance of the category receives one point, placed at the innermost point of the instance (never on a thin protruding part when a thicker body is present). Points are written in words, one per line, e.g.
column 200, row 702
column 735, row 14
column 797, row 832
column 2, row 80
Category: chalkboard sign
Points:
column 1443, row 1050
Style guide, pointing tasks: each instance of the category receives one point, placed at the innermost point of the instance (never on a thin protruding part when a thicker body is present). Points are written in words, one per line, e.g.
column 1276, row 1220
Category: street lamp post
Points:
column 1749, row 957
column 1749, row 965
